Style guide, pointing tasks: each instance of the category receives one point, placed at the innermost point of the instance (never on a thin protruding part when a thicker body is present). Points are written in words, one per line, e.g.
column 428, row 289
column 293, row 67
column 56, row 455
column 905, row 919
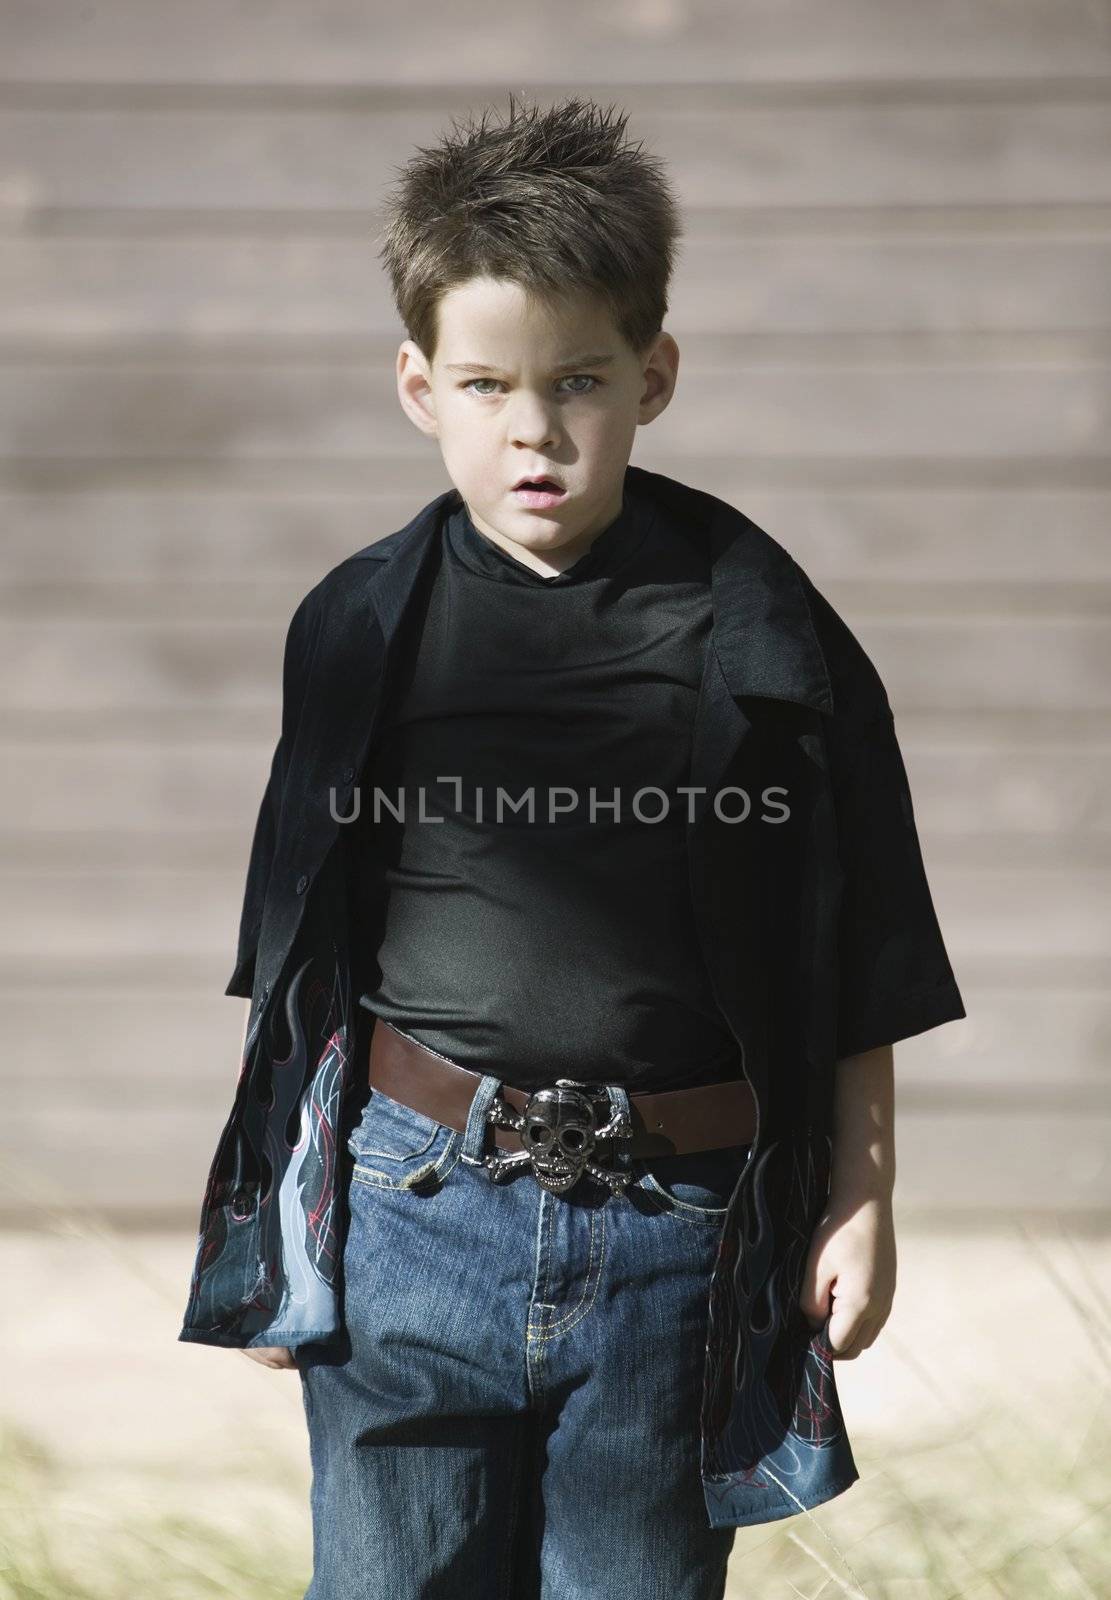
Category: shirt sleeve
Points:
column 298, row 645
column 895, row 978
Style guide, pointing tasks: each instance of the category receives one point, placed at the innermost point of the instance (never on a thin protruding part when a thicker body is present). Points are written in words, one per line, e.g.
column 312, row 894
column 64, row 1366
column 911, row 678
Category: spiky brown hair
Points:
column 552, row 198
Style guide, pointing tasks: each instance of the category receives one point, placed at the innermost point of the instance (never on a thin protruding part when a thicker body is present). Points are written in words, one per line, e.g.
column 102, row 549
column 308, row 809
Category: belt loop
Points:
column 474, row 1139
column 619, row 1102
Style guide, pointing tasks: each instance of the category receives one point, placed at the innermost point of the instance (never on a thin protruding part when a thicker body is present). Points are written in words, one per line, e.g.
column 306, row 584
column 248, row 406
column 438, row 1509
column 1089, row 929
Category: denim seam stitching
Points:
column 583, row 1308
column 542, row 1282
column 697, row 1216
column 378, row 1180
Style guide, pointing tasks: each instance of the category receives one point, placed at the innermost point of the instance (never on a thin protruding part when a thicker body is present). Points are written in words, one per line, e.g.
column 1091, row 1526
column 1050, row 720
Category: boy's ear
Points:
column 660, row 376
column 414, row 387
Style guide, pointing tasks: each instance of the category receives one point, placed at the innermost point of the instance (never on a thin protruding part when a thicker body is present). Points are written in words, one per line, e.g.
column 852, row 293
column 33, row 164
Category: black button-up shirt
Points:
column 820, row 938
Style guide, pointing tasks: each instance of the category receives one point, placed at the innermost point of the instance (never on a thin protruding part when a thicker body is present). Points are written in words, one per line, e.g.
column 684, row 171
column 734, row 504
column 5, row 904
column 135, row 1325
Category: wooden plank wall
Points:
column 894, row 312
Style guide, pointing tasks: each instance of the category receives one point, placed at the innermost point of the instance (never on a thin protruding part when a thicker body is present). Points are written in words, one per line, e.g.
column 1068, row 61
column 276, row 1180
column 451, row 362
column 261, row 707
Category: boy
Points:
column 600, row 998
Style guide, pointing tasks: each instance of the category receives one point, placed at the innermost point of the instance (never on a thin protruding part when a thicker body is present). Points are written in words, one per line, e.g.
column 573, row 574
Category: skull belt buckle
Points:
column 560, row 1131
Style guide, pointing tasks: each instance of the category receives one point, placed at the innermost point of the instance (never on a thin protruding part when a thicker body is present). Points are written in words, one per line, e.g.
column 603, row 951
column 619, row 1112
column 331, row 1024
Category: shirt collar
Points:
column 609, row 550
column 763, row 633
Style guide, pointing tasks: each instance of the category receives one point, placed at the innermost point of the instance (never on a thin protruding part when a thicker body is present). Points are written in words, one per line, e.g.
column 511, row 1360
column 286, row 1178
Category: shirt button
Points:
column 302, row 884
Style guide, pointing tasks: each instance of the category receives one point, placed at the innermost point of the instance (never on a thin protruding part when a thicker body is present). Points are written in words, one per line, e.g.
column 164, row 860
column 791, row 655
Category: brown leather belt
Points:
column 714, row 1116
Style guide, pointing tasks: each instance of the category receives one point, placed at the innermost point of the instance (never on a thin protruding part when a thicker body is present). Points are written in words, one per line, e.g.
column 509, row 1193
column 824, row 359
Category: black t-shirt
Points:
column 552, row 945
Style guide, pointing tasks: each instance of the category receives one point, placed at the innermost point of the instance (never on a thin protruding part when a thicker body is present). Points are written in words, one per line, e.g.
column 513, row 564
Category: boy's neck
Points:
column 554, row 560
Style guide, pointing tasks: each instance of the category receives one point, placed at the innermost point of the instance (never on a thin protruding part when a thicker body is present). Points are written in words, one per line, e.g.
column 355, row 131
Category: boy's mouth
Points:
column 539, row 492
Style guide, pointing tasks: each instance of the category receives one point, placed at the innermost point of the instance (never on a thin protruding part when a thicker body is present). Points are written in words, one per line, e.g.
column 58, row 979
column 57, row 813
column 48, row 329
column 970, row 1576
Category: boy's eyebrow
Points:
column 577, row 361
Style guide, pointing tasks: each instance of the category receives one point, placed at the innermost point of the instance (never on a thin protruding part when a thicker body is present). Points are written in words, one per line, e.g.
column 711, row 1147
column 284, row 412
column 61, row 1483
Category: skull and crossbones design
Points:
column 560, row 1131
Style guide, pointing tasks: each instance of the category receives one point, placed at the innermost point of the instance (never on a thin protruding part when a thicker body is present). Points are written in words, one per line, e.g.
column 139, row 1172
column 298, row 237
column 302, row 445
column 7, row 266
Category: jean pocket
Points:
column 392, row 1144
column 697, row 1185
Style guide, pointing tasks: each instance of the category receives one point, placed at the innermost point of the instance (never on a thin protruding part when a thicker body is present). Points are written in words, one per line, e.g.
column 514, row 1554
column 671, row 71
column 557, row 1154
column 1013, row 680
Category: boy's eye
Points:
column 576, row 377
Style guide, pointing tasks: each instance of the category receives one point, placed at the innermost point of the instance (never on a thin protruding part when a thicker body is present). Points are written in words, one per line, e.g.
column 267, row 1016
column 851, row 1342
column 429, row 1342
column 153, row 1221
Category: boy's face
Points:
column 509, row 396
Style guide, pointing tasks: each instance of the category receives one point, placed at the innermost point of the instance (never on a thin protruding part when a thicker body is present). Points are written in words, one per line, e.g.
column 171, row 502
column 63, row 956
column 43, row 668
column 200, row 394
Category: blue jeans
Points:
column 513, row 1412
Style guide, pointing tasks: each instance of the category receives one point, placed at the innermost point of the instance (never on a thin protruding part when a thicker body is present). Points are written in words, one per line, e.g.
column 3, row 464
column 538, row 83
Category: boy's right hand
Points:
column 276, row 1356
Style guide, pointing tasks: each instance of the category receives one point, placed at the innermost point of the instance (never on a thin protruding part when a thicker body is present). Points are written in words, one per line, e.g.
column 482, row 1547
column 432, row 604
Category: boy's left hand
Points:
column 852, row 1259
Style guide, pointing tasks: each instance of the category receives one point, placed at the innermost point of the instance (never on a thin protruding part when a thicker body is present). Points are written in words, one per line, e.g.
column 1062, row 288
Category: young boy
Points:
column 594, row 976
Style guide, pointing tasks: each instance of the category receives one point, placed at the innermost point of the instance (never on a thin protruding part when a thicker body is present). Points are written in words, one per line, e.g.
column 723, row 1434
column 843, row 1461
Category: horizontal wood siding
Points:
column 894, row 306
